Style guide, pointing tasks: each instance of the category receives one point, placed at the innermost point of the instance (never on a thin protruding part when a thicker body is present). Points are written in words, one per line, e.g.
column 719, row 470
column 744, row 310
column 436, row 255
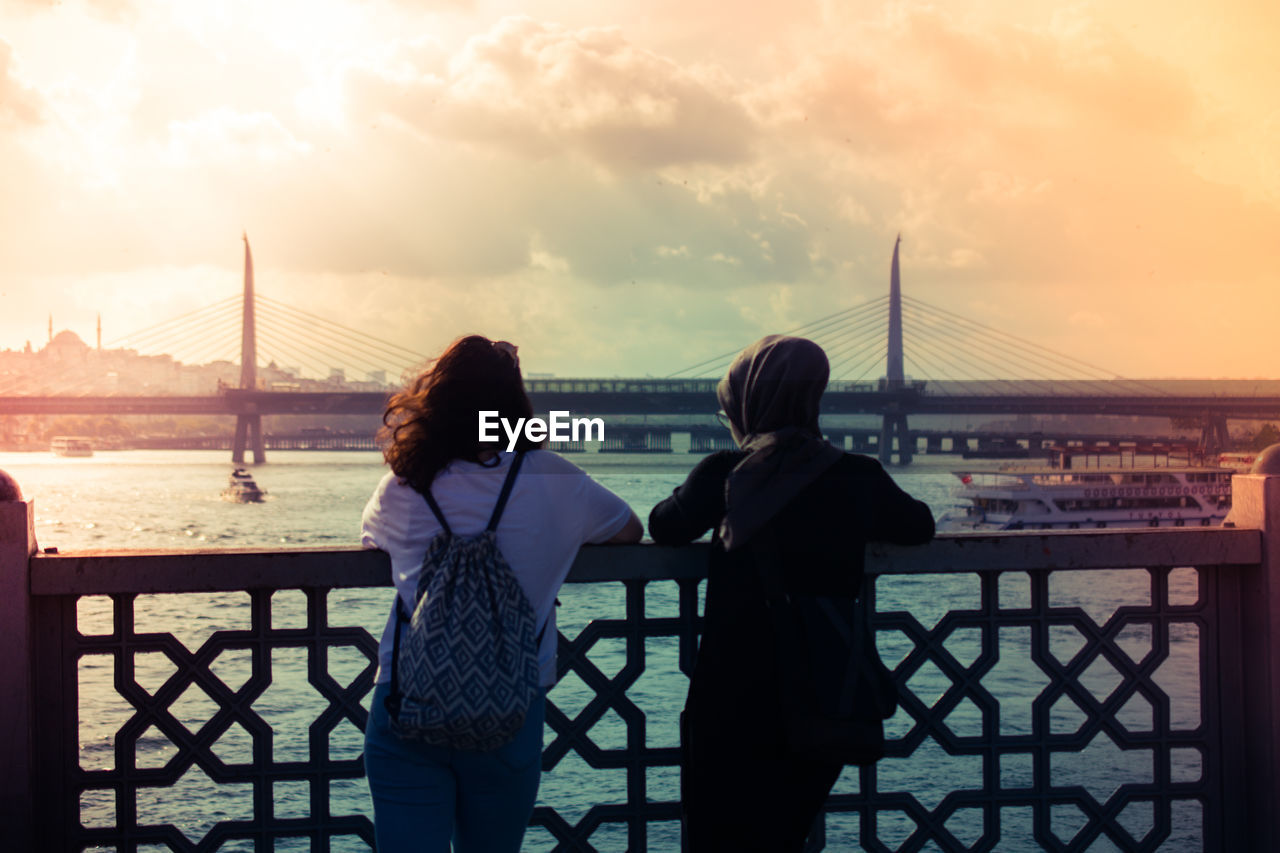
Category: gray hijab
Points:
column 770, row 395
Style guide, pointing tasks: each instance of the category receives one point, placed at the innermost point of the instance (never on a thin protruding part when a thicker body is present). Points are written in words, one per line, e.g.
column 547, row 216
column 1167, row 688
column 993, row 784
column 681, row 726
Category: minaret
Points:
column 99, row 331
column 50, row 327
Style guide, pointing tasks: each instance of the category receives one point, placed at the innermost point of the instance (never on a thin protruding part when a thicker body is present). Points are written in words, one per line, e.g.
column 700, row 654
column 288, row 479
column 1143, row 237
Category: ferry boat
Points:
column 71, row 445
column 1066, row 495
column 242, row 489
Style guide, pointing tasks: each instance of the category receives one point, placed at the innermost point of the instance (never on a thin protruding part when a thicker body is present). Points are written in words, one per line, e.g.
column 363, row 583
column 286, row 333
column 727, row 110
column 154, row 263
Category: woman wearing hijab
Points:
column 742, row 789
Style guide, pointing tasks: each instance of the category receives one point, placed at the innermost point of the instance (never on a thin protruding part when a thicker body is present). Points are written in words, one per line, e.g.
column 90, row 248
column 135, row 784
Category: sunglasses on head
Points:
column 508, row 349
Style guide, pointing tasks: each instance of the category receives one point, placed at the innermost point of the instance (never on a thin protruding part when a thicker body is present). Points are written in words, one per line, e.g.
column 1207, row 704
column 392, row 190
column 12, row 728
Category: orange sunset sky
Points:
column 630, row 187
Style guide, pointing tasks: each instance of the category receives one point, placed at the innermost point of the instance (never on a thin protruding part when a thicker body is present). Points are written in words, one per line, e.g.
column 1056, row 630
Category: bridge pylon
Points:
column 894, row 423
column 248, row 424
column 1214, row 435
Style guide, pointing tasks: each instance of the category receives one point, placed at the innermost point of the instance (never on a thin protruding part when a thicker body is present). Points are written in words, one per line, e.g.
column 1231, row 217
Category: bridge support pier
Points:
column 1214, row 435
column 895, row 424
column 248, row 429
column 860, row 442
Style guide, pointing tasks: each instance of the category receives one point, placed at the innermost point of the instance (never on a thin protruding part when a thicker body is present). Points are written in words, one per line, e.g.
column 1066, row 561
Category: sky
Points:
column 627, row 188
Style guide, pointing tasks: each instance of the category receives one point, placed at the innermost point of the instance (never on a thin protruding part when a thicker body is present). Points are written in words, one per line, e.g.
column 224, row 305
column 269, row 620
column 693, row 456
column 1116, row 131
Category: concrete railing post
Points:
column 1255, row 502
column 17, row 544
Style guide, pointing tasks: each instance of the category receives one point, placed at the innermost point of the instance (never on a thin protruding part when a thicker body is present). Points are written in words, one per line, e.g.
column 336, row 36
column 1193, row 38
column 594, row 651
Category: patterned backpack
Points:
column 466, row 670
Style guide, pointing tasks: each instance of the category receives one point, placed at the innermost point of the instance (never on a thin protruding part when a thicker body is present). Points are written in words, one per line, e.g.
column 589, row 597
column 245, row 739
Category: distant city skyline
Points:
column 628, row 188
column 67, row 365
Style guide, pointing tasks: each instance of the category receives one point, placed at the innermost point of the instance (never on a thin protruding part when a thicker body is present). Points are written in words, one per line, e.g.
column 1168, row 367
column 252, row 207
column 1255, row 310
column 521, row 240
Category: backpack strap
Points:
column 435, row 509
column 393, row 697
column 506, row 492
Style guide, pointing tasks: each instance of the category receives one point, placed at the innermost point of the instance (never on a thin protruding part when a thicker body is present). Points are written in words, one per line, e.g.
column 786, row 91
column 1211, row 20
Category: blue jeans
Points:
column 426, row 796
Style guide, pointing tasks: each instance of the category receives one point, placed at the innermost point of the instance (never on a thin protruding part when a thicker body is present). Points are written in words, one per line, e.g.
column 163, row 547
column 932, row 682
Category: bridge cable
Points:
column 393, row 350
column 309, row 357
column 162, row 336
column 879, row 357
column 914, row 348
column 984, row 348
column 987, row 374
column 805, row 328
column 360, row 361
column 856, row 360
column 225, row 347
column 289, row 360
column 853, row 351
column 995, row 352
column 362, row 357
column 194, row 346
column 994, row 371
column 849, row 335
column 308, row 351
column 979, row 337
column 852, row 328
column 312, row 346
column 185, row 349
column 978, row 368
column 1112, row 375
column 729, row 356
column 909, row 355
column 118, row 341
column 850, row 359
column 340, row 349
column 366, row 342
column 856, row 337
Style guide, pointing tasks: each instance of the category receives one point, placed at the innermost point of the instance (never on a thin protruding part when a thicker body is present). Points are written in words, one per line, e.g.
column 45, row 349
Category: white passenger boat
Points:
column 1113, row 491
column 71, row 445
column 241, row 488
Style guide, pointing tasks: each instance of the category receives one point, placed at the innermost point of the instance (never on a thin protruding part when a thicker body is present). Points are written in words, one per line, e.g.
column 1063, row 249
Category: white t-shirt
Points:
column 554, row 508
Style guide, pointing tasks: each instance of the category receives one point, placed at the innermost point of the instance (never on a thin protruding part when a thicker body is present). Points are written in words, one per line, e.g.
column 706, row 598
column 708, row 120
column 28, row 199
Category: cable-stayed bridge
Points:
column 893, row 357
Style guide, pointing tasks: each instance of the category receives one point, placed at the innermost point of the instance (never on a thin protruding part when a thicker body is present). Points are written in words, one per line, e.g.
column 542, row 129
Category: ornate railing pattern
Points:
column 1082, row 742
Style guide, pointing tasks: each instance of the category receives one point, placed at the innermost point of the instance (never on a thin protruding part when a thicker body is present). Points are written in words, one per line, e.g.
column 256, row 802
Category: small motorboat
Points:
column 242, row 489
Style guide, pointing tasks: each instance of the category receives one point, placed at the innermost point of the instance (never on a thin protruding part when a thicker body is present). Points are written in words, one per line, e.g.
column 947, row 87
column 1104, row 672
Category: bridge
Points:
column 967, row 358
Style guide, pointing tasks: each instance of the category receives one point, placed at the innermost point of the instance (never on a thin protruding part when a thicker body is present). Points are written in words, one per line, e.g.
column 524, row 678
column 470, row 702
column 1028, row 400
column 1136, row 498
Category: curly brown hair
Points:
column 435, row 419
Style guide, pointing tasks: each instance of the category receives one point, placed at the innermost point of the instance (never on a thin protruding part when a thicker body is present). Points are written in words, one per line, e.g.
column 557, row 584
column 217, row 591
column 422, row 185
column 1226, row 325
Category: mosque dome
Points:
column 67, row 339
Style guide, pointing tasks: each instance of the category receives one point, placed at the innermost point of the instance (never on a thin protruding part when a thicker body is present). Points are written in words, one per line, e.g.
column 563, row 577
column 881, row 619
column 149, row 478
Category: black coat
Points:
column 821, row 535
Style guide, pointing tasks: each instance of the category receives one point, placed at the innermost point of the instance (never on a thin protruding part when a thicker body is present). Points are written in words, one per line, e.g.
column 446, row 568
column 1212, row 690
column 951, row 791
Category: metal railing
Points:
column 1058, row 688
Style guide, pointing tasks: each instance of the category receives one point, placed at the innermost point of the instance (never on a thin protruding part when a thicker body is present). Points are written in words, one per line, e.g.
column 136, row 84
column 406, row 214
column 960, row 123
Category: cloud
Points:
column 542, row 90
column 224, row 135
column 19, row 104
column 1052, row 155
column 110, row 10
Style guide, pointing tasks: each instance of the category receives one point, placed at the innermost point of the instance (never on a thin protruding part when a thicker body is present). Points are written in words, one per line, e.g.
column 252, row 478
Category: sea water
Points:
column 171, row 499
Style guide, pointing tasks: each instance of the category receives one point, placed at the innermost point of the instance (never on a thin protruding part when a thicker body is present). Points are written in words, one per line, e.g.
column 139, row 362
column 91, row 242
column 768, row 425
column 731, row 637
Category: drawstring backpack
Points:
column 466, row 669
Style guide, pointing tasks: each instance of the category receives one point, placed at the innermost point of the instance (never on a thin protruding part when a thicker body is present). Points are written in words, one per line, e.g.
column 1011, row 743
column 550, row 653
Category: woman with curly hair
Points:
column 426, row 796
